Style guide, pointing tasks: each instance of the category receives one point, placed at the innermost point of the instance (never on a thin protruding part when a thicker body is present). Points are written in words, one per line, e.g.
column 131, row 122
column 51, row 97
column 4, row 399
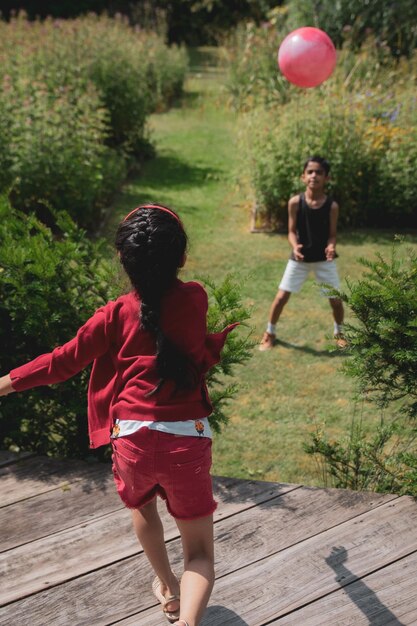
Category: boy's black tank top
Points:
column 313, row 227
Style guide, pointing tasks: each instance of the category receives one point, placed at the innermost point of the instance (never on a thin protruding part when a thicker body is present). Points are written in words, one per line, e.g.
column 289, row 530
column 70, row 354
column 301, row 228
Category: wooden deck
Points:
column 286, row 554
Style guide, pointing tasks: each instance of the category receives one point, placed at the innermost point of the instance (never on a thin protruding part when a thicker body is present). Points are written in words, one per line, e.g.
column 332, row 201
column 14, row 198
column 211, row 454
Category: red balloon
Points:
column 307, row 57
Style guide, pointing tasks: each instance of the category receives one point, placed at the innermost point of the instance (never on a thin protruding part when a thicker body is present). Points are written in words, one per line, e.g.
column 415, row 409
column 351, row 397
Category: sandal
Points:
column 172, row 616
column 268, row 342
column 340, row 341
column 181, row 621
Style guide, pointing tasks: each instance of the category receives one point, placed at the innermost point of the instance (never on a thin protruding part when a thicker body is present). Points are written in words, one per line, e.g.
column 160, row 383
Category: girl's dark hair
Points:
column 152, row 243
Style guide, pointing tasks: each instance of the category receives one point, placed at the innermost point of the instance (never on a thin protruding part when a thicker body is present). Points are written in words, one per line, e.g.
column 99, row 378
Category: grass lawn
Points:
column 288, row 392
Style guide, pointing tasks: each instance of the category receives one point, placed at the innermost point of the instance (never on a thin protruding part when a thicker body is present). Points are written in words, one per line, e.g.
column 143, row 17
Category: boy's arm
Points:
column 5, row 385
column 293, row 205
column 331, row 242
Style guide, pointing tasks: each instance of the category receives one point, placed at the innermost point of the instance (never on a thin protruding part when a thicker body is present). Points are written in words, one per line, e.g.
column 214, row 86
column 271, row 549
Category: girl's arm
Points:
column 5, row 385
column 91, row 341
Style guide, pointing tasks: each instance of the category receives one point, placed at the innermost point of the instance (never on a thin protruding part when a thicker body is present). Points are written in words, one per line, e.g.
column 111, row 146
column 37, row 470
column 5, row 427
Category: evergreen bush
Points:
column 383, row 339
column 225, row 307
column 383, row 360
column 49, row 286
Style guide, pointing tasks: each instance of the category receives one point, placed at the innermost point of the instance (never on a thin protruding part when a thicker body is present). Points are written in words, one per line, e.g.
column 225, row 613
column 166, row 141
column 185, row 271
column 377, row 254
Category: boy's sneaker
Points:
column 340, row 340
column 268, row 342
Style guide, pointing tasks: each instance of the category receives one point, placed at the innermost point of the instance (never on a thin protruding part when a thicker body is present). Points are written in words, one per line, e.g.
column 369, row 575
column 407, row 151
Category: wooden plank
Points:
column 38, row 475
column 9, row 458
column 387, row 597
column 244, row 537
column 38, row 565
column 62, row 508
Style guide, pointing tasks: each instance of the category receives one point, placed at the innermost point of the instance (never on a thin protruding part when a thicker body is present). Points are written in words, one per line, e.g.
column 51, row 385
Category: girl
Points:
column 147, row 396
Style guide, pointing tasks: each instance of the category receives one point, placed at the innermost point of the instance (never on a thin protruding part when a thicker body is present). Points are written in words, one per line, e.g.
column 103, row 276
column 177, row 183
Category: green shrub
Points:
column 134, row 71
column 393, row 24
column 384, row 461
column 225, row 307
column 383, row 360
column 75, row 96
column 275, row 150
column 366, row 140
column 49, row 286
column 253, row 78
column 55, row 152
column 383, row 339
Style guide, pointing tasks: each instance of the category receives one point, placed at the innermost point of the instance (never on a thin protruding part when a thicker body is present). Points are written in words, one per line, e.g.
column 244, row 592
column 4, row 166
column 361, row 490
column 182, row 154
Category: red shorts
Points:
column 177, row 468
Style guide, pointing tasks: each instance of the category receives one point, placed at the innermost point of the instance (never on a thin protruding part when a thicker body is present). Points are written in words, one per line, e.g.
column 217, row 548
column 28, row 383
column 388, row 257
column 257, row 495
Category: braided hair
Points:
column 152, row 242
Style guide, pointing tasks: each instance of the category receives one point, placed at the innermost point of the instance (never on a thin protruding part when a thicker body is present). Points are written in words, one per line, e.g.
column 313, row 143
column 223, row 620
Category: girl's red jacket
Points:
column 124, row 362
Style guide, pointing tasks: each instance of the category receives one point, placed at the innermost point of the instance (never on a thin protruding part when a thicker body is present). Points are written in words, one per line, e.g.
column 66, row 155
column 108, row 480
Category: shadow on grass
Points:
column 167, row 172
column 328, row 353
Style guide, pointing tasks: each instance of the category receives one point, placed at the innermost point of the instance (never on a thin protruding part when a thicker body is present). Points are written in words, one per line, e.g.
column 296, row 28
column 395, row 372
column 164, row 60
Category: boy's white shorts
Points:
column 297, row 272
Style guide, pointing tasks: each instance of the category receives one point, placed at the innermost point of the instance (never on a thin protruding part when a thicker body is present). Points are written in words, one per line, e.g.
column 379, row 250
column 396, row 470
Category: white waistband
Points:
column 188, row 428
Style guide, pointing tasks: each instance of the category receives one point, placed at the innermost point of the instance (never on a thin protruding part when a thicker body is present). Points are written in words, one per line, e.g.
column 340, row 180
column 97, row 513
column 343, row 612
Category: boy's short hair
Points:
column 318, row 159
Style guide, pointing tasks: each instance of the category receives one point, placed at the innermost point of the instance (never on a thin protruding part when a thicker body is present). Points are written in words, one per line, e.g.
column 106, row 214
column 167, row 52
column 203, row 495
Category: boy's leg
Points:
column 277, row 307
column 293, row 279
column 338, row 310
column 278, row 304
column 150, row 532
column 326, row 272
column 338, row 316
column 198, row 577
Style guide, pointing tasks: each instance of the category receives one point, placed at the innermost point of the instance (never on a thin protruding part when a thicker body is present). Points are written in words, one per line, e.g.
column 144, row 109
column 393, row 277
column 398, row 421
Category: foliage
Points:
column 194, row 22
column 393, row 24
column 48, row 287
column 226, row 308
column 383, row 360
column 366, row 140
column 254, row 77
column 75, row 96
column 55, row 152
column 363, row 119
column 383, row 340
column 385, row 461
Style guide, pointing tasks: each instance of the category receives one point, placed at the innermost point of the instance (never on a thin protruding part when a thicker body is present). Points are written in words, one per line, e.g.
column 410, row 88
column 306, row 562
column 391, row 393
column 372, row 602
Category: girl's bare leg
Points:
column 150, row 532
column 198, row 577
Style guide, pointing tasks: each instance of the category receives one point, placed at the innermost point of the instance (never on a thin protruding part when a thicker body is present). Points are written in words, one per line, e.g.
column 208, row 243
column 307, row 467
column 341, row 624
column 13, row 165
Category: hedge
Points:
column 74, row 101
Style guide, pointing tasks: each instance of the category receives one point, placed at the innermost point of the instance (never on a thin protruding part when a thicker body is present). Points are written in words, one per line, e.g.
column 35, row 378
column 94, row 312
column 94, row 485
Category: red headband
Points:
column 153, row 206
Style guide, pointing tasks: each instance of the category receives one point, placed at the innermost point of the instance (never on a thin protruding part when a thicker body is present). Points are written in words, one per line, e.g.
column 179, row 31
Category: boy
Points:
column 312, row 225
